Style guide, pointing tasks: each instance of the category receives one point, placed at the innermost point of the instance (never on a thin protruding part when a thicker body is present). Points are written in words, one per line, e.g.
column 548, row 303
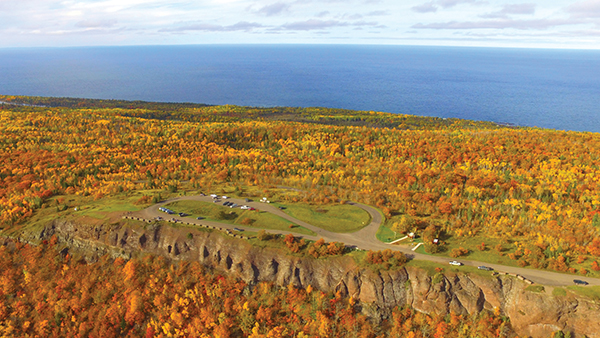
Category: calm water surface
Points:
column 545, row 88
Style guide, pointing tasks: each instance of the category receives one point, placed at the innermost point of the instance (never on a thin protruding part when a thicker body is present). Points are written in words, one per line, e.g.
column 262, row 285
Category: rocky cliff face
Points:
column 531, row 314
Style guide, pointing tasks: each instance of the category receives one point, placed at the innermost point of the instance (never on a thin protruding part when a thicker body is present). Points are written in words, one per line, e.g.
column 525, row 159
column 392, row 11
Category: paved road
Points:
column 362, row 239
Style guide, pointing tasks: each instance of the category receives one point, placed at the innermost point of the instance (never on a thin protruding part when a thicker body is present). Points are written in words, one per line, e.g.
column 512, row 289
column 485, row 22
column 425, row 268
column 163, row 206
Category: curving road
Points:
column 363, row 239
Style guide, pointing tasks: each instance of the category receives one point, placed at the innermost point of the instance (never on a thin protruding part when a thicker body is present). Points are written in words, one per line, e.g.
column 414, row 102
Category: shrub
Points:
column 499, row 249
column 433, row 248
column 143, row 200
column 263, row 236
column 293, row 244
column 227, row 216
column 247, row 221
column 385, row 259
column 459, row 252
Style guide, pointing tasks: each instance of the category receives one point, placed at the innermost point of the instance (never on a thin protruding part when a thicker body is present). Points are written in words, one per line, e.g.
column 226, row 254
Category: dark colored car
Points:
column 486, row 268
column 183, row 214
column 580, row 282
column 199, row 217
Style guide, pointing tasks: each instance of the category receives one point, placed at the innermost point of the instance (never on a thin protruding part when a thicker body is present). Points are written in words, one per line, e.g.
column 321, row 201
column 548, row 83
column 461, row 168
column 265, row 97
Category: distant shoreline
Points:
column 22, row 104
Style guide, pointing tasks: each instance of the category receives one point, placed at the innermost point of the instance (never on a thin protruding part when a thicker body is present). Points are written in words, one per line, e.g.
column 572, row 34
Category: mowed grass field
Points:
column 258, row 219
column 334, row 218
column 63, row 206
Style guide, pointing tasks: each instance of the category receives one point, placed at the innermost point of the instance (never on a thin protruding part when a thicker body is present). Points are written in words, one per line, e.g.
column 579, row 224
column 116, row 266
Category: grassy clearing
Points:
column 535, row 288
column 430, row 267
column 334, row 218
column 63, row 206
column 219, row 213
column 489, row 255
column 559, row 292
column 386, row 234
column 592, row 292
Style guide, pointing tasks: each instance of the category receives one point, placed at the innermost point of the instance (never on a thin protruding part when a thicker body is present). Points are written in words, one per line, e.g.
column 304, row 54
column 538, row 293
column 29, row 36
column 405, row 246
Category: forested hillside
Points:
column 47, row 294
column 533, row 191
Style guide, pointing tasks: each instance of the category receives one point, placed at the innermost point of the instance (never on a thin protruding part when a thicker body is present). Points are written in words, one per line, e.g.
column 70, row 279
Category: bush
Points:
column 459, row 252
column 263, row 236
column 385, row 259
column 434, row 248
column 293, row 244
column 247, row 221
column 322, row 249
column 143, row 200
column 499, row 249
column 227, row 216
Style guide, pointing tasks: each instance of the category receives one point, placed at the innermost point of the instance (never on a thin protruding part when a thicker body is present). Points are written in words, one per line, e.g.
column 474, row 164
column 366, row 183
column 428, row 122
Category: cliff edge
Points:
column 531, row 313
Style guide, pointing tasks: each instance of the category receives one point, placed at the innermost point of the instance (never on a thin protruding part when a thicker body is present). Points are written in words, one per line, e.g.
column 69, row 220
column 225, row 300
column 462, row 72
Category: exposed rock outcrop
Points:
column 533, row 314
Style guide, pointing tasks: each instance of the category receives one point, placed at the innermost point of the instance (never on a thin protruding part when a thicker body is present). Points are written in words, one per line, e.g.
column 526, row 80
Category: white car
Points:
column 224, row 197
column 455, row 263
column 213, row 195
column 244, row 207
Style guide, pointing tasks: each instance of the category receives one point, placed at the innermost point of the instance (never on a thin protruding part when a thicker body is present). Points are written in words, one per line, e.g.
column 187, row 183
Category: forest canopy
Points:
column 540, row 188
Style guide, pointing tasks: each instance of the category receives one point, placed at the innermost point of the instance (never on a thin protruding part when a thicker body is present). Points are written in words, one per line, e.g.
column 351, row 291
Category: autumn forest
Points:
column 532, row 193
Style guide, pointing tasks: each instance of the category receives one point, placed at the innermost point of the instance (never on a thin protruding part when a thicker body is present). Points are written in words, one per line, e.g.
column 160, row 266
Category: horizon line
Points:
column 591, row 48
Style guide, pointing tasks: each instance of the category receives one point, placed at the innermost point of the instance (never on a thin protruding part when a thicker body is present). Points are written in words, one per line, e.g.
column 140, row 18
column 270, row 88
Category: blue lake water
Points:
column 546, row 88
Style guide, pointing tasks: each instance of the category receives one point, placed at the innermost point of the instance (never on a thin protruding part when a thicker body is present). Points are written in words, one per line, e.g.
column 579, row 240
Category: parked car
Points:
column 199, row 217
column 281, row 208
column 244, row 207
column 233, row 205
column 183, row 214
column 238, row 229
column 456, row 263
column 247, row 200
column 213, row 195
column 580, row 282
column 226, row 203
column 224, row 197
column 486, row 268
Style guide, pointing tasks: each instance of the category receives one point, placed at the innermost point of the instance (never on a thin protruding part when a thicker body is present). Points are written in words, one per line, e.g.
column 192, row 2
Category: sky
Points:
column 491, row 23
